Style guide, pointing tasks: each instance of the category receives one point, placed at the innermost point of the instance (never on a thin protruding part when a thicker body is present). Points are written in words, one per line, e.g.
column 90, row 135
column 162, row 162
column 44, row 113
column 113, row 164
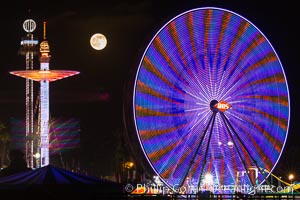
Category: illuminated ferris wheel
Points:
column 211, row 97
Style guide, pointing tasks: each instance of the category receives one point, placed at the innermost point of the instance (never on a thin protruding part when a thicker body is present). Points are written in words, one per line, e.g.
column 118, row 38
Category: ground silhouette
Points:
column 17, row 164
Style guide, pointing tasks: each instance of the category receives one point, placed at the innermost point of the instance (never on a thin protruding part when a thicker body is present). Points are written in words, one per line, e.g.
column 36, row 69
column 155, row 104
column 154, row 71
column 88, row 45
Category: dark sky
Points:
column 96, row 95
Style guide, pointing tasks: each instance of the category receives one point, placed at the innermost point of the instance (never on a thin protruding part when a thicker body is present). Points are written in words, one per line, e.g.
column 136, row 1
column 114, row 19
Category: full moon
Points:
column 98, row 41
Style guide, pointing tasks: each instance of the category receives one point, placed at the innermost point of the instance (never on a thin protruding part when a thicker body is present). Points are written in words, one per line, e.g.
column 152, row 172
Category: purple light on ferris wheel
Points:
column 211, row 97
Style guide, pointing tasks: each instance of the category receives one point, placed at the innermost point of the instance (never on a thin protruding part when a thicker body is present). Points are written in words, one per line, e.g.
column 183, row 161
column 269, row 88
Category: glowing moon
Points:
column 98, row 41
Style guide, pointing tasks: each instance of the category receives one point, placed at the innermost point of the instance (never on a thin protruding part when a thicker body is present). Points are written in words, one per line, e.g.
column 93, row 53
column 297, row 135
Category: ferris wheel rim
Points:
column 146, row 50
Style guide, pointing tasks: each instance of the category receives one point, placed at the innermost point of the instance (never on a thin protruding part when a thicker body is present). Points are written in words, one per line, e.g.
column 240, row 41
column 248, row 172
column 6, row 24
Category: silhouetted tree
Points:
column 4, row 139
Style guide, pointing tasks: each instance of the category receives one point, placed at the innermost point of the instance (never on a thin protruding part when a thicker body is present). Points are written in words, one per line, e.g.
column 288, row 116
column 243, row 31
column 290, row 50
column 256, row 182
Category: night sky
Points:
column 96, row 96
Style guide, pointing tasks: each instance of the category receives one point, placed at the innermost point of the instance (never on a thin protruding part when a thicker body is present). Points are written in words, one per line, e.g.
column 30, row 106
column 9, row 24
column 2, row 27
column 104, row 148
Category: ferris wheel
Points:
column 211, row 98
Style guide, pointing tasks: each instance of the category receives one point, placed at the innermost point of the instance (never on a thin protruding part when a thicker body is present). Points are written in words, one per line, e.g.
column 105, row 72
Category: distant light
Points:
column 208, row 179
column 230, row 143
column 157, row 180
column 129, row 165
column 291, row 177
column 37, row 155
column 98, row 41
column 29, row 42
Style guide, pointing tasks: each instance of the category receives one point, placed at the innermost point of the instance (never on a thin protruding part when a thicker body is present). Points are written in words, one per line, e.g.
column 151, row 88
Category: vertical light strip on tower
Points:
column 28, row 49
column 44, row 100
column 44, row 76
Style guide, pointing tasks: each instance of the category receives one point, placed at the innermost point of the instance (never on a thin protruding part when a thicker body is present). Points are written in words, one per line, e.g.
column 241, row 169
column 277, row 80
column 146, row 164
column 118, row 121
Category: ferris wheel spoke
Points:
column 258, row 149
column 228, row 91
column 237, row 149
column 244, row 146
column 263, row 134
column 149, row 67
column 180, row 55
column 207, row 145
column 197, row 149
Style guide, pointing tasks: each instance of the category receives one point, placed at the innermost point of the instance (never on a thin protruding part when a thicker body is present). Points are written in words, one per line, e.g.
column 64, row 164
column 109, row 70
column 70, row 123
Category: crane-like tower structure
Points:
column 29, row 48
column 44, row 76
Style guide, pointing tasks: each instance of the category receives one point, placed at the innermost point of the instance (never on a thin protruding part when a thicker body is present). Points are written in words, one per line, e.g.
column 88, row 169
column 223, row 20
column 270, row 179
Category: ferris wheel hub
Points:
column 213, row 105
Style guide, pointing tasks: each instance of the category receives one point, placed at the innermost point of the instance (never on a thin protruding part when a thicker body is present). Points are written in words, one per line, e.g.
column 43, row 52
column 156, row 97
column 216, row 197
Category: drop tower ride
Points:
column 44, row 76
